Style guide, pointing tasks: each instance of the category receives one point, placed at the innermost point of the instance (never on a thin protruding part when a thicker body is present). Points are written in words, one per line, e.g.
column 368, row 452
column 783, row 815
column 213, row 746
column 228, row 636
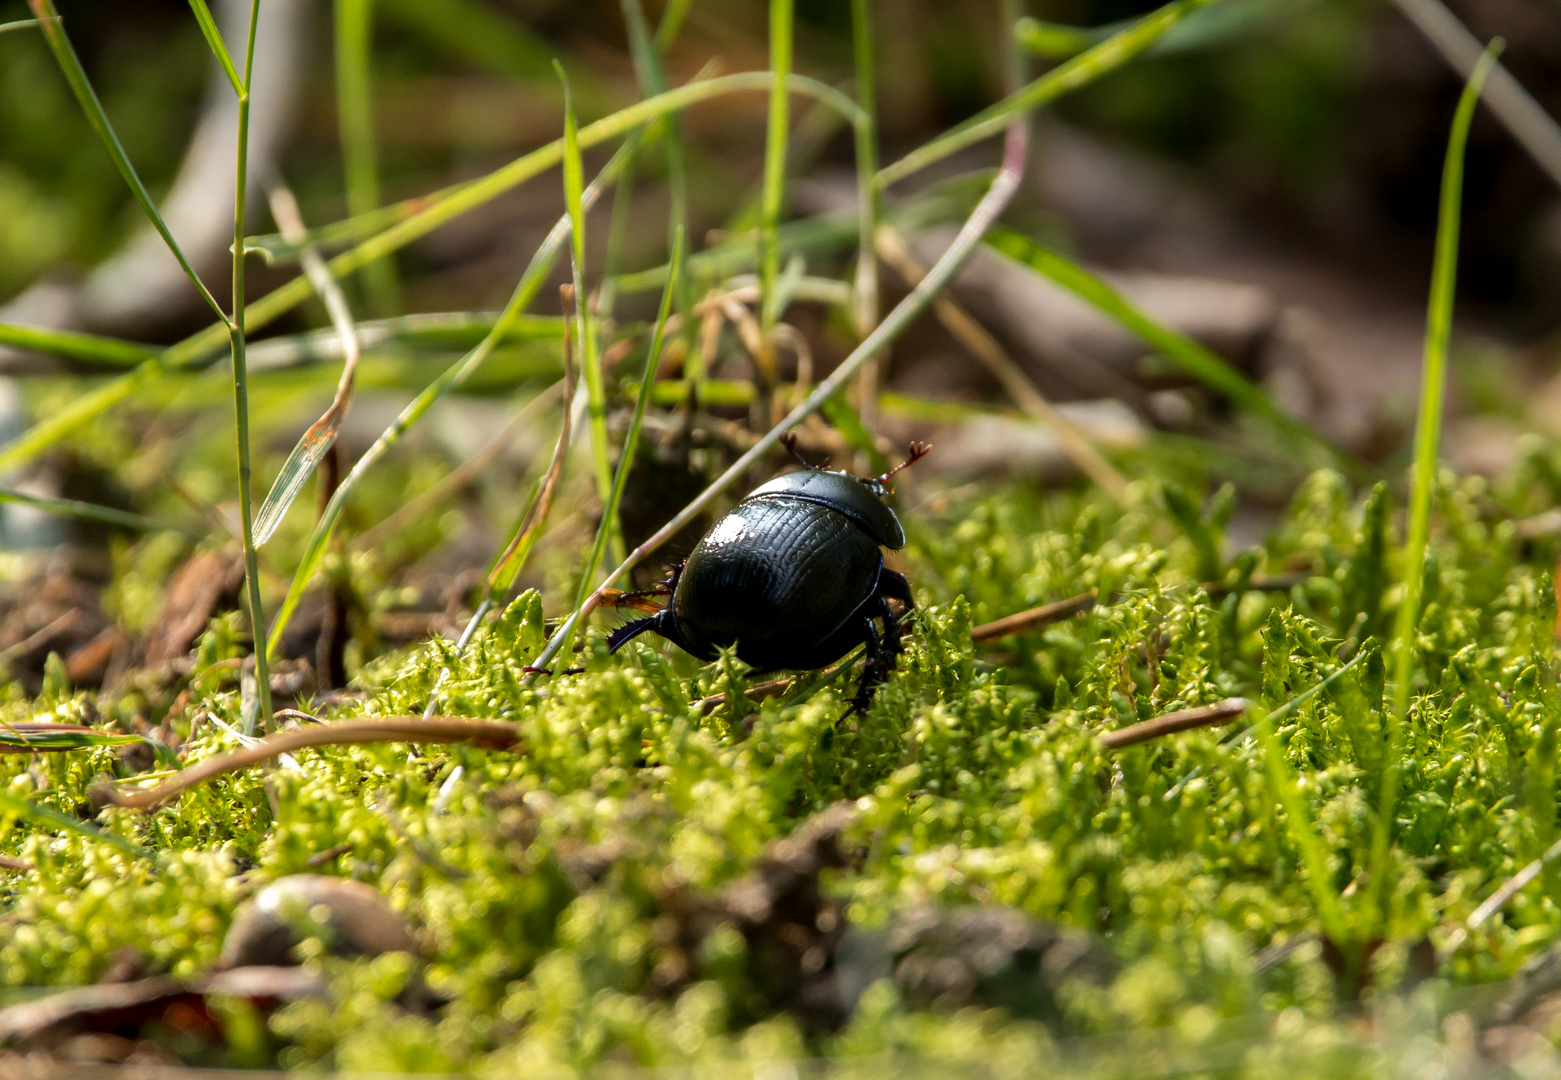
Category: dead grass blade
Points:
column 321, row 435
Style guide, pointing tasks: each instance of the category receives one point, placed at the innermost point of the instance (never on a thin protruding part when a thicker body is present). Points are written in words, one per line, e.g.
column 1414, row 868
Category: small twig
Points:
column 8, row 863
column 1024, row 621
column 1498, row 900
column 1170, row 723
column 1059, row 610
column 489, row 734
column 756, row 692
column 320, row 858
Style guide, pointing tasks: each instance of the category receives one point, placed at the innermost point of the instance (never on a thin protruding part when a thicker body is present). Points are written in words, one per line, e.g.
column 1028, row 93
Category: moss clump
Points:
column 547, row 884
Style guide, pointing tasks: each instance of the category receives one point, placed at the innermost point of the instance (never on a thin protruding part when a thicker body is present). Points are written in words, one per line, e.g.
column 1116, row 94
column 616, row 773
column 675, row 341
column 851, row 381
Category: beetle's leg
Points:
column 893, row 586
column 631, row 630
column 880, row 653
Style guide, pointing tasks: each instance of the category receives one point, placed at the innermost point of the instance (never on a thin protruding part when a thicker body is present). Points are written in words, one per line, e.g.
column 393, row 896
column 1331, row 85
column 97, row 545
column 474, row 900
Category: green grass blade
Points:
column 773, row 196
column 631, row 439
column 201, row 347
column 1428, row 433
column 11, row 803
column 246, row 495
column 90, row 512
column 648, row 65
column 87, row 348
column 1230, row 21
column 1080, row 71
column 34, row 736
column 19, row 24
column 1198, row 361
column 526, row 291
column 53, row 29
column 1282, row 784
column 585, row 333
column 865, row 307
column 355, row 120
column 219, row 48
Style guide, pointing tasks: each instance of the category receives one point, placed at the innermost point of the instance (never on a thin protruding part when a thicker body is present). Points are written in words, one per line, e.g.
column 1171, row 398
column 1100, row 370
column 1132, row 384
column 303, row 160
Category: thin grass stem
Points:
column 631, row 439
column 257, row 618
column 864, row 307
column 585, row 325
column 774, row 194
column 1428, row 433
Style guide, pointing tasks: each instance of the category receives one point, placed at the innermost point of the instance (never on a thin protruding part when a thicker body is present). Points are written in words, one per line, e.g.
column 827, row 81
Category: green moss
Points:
column 977, row 774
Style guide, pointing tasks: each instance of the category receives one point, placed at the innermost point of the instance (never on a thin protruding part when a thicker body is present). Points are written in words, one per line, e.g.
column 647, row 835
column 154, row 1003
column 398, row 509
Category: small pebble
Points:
column 351, row 918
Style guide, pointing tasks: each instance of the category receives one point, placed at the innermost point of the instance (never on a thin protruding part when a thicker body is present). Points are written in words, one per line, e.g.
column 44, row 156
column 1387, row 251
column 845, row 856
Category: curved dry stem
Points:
column 489, row 734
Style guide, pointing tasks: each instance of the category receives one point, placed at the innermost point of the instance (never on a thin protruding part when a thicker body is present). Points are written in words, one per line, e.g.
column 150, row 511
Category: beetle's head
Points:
column 878, row 485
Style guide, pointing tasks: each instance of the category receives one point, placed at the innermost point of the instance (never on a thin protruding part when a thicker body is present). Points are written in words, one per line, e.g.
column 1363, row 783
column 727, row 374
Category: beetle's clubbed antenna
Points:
column 789, row 441
column 913, row 453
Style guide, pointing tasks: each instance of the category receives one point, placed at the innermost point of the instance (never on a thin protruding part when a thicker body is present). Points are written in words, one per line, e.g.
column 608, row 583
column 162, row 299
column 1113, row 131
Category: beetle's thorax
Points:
column 852, row 496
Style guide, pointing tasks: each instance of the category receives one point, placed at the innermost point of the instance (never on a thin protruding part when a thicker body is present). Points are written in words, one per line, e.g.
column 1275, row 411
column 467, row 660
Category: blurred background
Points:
column 1265, row 182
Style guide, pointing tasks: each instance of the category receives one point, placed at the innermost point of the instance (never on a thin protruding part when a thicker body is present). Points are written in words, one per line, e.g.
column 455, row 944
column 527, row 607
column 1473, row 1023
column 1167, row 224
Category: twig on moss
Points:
column 1170, row 723
column 490, row 734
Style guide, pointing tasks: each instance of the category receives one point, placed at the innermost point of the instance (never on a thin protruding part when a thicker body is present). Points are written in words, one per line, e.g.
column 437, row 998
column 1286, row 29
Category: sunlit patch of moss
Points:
column 977, row 773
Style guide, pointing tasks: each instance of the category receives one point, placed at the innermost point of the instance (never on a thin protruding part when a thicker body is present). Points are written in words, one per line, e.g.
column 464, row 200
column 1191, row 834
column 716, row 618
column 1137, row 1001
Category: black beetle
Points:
column 793, row 576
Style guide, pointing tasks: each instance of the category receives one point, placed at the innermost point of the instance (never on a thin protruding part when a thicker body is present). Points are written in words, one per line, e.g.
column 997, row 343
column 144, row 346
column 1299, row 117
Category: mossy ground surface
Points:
column 978, row 779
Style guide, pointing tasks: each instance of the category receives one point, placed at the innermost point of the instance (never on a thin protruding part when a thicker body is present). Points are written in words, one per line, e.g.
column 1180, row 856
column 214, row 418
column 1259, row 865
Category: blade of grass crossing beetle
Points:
column 87, row 348
column 632, row 437
column 11, row 803
column 844, row 419
column 1199, row 362
column 1428, row 433
column 585, row 332
column 53, row 28
column 525, row 292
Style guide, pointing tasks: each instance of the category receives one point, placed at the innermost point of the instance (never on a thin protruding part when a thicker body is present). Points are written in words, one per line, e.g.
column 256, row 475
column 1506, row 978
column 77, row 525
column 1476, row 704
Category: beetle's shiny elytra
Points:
column 793, row 577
